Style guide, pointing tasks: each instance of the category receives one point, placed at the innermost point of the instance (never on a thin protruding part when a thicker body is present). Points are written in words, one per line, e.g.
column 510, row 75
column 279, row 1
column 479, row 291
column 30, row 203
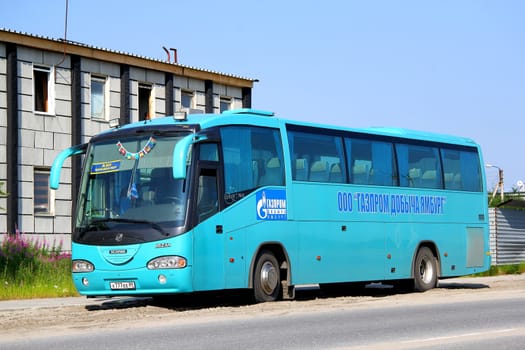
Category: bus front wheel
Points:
column 425, row 270
column 267, row 278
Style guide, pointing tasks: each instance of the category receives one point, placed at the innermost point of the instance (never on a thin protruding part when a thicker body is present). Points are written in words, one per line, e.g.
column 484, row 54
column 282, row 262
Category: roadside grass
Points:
column 514, row 269
column 33, row 269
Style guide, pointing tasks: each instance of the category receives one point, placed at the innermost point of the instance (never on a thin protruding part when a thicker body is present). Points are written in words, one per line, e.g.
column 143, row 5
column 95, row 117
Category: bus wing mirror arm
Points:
column 180, row 154
column 56, row 168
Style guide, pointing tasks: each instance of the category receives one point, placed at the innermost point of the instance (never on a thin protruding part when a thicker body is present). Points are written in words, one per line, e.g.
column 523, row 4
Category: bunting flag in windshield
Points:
column 140, row 154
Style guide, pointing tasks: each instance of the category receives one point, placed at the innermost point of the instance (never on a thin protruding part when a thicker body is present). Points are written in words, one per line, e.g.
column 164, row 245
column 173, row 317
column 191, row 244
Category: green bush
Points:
column 33, row 269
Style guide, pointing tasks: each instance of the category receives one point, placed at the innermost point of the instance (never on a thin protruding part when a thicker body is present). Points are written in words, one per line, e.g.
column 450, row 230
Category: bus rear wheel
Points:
column 425, row 270
column 267, row 278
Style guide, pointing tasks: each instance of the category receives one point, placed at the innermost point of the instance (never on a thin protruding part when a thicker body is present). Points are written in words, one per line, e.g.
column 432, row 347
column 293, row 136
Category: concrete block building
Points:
column 56, row 93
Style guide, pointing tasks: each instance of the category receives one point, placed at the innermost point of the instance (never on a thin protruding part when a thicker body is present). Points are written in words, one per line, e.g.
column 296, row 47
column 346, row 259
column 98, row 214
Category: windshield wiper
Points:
column 96, row 225
column 131, row 221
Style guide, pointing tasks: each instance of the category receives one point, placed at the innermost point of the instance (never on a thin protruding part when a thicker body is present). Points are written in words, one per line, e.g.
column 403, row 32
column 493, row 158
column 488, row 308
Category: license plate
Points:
column 122, row 285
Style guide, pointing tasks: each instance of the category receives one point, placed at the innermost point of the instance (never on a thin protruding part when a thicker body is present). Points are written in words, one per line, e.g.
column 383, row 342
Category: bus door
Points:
column 235, row 248
column 208, row 250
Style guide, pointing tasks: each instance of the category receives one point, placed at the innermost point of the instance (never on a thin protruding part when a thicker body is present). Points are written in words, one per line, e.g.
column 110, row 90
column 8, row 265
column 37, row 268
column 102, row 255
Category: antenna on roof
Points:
column 65, row 36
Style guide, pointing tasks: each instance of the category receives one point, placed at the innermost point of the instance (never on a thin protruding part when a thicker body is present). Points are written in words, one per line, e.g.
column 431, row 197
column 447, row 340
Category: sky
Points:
column 446, row 66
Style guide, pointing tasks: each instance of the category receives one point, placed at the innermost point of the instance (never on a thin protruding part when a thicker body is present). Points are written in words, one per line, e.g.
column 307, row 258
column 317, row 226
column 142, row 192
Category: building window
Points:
column 226, row 103
column 98, row 97
column 146, row 109
column 42, row 195
column 43, row 89
column 186, row 99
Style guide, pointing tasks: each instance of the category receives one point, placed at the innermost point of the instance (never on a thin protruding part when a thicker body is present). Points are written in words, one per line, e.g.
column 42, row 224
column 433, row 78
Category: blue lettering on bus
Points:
column 271, row 204
column 344, row 201
column 372, row 203
column 395, row 204
column 414, row 204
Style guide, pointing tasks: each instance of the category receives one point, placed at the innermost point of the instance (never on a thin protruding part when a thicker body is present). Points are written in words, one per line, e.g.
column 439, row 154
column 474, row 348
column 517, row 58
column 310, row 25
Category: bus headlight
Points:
column 82, row 266
column 167, row 262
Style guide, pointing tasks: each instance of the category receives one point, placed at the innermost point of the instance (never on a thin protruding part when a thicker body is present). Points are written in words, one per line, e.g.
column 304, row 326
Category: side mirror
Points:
column 180, row 154
column 56, row 168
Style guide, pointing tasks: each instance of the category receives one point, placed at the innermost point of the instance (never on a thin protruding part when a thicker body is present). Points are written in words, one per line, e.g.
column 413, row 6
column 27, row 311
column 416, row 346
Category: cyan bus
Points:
column 245, row 200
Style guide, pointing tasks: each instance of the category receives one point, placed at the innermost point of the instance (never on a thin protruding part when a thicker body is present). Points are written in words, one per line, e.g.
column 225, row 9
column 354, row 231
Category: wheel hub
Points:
column 269, row 278
column 425, row 271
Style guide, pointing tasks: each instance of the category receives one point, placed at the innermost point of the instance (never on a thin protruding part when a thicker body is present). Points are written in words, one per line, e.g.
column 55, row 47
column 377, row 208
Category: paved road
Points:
column 461, row 314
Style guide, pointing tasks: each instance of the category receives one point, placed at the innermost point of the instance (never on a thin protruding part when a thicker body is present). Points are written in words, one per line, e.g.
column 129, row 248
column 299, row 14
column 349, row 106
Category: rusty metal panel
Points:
column 509, row 238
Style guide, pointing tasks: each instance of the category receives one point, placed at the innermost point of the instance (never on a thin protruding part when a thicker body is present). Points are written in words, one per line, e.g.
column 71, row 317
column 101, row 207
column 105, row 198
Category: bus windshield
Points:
column 128, row 184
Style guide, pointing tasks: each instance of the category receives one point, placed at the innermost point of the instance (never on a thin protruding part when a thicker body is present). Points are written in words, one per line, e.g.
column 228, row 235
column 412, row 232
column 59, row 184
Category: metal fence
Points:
column 507, row 236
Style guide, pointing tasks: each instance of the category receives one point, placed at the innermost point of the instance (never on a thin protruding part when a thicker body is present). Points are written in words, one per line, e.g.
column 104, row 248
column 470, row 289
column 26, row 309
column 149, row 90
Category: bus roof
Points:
column 254, row 117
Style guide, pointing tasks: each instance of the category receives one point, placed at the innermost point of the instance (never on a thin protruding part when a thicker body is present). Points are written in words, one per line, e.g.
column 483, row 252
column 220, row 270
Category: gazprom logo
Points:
column 271, row 205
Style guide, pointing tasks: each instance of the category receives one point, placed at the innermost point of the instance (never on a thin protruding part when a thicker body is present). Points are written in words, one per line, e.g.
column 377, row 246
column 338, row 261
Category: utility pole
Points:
column 500, row 181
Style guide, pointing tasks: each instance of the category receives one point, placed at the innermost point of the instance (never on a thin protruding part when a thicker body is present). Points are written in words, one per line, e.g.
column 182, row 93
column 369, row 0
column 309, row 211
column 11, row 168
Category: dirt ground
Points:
column 35, row 318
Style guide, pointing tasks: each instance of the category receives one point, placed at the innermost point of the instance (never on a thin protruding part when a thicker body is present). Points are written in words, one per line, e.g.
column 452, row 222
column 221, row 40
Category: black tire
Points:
column 425, row 270
column 267, row 278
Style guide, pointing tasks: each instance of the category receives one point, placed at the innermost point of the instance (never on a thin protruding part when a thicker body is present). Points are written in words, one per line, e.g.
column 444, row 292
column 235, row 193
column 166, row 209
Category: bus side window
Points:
column 371, row 162
column 273, row 174
column 301, row 169
column 252, row 157
column 458, row 170
column 319, row 171
column 419, row 166
column 209, row 151
column 470, row 176
column 207, row 195
column 382, row 170
column 336, row 173
column 317, row 157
